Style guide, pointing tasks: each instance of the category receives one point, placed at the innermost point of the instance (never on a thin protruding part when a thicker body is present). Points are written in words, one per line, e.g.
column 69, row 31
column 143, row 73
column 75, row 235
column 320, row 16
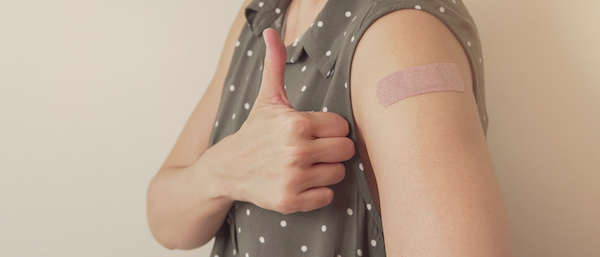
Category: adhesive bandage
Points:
column 418, row 80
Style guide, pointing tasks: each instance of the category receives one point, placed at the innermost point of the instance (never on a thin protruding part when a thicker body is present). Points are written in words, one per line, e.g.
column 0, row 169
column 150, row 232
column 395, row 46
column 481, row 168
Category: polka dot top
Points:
column 317, row 78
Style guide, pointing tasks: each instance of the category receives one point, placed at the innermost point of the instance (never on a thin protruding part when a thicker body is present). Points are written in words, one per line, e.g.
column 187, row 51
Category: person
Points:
column 292, row 152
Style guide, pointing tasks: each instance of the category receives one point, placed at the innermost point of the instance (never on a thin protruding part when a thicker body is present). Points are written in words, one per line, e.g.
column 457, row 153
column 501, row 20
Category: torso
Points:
column 317, row 79
column 299, row 19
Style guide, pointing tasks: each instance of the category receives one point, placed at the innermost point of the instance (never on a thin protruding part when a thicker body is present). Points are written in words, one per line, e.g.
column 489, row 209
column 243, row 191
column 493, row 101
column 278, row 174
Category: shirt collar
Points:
column 261, row 14
column 321, row 42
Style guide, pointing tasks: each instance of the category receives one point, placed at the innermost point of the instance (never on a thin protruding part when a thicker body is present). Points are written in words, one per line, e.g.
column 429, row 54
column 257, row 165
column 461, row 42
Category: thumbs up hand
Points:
column 281, row 159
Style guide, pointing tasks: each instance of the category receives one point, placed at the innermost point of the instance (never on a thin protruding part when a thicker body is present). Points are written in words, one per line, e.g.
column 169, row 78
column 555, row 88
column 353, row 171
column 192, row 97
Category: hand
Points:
column 281, row 159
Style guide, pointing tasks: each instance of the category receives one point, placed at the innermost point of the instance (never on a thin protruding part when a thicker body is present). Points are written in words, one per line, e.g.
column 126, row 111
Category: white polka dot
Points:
column 320, row 24
column 216, row 255
column 345, row 33
column 328, row 53
column 352, row 39
column 239, row 230
column 348, row 14
column 277, row 10
column 442, row 9
column 247, row 106
column 312, row 24
column 304, row 248
column 358, row 252
column 261, row 4
column 480, row 60
column 248, row 212
column 369, row 206
column 328, row 73
column 296, row 42
column 361, row 167
column 349, row 211
column 261, row 240
column 469, row 43
column 232, row 88
column 234, row 252
column 323, row 228
column 249, row 53
column 304, row 68
column 233, row 116
column 247, row 255
column 237, row 44
column 303, row 88
column 418, row 7
column 373, row 243
column 353, row 19
column 339, row 255
column 216, row 123
column 285, row 87
column 260, row 68
column 346, row 85
column 283, row 223
column 325, row 109
column 292, row 60
column 454, row 1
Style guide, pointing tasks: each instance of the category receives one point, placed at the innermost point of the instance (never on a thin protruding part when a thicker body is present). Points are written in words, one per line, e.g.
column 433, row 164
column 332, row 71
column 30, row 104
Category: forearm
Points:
column 185, row 209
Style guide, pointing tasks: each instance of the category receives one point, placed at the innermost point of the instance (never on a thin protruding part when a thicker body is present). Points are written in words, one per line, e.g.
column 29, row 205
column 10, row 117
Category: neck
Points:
column 301, row 14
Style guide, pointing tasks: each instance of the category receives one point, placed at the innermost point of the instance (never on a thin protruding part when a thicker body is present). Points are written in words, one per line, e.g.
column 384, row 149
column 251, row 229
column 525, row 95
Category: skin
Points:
column 299, row 154
column 432, row 177
column 438, row 191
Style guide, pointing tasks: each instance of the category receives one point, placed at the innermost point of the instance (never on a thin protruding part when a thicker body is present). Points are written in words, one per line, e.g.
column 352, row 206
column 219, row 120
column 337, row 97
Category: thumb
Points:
column 271, row 89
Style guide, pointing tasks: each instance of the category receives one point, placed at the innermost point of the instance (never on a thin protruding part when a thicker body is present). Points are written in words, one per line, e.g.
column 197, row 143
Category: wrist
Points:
column 213, row 175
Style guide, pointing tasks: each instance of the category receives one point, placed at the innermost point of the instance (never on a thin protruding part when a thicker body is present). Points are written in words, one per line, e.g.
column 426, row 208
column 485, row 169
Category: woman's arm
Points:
column 437, row 186
column 181, row 208
column 280, row 160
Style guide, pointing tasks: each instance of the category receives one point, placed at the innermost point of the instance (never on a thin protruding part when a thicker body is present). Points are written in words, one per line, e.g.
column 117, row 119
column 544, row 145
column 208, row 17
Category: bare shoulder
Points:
column 403, row 39
column 397, row 41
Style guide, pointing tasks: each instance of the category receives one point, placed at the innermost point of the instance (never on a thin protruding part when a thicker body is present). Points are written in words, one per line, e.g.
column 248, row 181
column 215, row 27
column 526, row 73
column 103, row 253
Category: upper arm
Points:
column 437, row 186
column 194, row 138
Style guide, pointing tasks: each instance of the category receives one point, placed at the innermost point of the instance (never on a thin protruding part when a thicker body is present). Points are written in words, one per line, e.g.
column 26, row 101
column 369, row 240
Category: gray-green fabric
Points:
column 317, row 78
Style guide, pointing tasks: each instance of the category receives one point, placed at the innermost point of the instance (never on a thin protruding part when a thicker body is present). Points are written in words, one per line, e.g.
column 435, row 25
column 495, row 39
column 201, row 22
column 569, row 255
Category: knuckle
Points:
column 326, row 198
column 292, row 180
column 348, row 148
column 285, row 204
column 339, row 173
column 299, row 123
column 298, row 153
column 342, row 124
column 322, row 199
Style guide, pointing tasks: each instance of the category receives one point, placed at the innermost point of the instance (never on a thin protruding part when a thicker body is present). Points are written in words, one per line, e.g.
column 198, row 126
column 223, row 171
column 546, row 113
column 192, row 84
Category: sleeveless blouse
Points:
column 317, row 78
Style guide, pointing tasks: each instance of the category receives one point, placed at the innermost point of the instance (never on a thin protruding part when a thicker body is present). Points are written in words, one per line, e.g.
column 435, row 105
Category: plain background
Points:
column 94, row 93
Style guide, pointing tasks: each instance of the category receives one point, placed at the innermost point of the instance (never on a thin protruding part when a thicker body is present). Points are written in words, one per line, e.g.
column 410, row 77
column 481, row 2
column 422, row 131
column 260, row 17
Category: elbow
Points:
column 164, row 227
column 171, row 225
column 178, row 245
column 174, row 235
column 178, row 241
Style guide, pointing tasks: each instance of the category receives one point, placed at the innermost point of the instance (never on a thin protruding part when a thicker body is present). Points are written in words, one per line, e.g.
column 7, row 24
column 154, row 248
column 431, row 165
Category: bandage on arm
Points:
column 418, row 80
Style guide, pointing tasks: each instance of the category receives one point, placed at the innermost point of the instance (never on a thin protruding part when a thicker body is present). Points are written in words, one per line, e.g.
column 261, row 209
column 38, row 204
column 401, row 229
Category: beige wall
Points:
column 543, row 89
column 93, row 94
